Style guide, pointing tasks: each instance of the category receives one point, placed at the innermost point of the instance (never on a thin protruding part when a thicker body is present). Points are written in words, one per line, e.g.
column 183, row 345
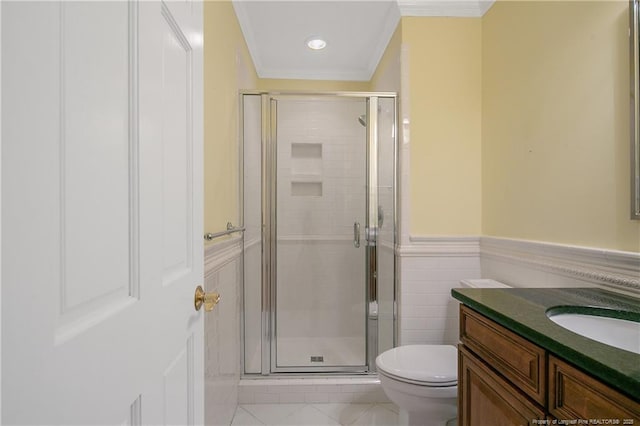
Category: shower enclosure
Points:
column 319, row 173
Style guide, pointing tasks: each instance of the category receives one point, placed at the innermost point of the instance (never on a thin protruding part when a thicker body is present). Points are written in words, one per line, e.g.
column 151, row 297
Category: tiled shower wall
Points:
column 321, row 165
column 321, row 175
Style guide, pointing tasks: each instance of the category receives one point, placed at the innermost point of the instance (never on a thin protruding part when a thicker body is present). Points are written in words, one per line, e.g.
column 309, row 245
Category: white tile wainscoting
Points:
column 538, row 264
column 429, row 267
column 223, row 274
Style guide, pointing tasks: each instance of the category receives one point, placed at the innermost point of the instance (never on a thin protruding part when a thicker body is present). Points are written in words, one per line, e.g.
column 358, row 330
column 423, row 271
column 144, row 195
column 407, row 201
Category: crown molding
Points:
column 301, row 74
column 451, row 8
column 242, row 14
column 390, row 25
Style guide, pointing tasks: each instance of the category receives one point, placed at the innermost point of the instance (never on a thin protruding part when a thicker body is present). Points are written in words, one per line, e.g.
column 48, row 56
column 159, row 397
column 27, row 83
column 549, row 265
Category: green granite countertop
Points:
column 523, row 311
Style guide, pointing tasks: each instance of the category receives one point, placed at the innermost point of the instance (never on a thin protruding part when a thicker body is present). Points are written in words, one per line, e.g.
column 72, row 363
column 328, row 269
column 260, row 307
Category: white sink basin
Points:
column 619, row 333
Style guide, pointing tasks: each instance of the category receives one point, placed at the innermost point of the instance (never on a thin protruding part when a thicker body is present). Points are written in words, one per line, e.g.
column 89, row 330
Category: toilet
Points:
column 422, row 380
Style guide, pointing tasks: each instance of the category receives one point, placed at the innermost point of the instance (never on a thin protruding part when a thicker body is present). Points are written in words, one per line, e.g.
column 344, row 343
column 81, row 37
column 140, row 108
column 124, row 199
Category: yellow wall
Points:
column 519, row 122
column 227, row 68
column 555, row 126
column 444, row 63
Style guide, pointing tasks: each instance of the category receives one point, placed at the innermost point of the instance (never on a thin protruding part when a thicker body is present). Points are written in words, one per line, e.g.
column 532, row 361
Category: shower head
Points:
column 363, row 120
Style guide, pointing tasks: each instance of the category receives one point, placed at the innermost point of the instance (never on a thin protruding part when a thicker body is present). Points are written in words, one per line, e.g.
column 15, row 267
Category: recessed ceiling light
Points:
column 316, row 43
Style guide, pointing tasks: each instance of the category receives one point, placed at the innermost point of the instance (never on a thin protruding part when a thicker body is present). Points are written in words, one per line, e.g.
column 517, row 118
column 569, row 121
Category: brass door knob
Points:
column 210, row 300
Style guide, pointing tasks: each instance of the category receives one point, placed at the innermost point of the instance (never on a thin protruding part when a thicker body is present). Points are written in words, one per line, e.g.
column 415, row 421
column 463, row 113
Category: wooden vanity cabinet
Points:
column 486, row 398
column 576, row 395
column 515, row 358
column 506, row 380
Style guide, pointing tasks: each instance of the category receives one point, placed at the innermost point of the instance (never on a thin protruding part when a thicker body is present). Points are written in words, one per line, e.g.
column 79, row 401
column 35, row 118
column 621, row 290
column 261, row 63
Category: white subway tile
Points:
column 316, row 397
column 246, row 398
column 424, row 324
column 266, row 398
column 301, row 388
column 342, row 397
column 426, row 311
column 291, row 398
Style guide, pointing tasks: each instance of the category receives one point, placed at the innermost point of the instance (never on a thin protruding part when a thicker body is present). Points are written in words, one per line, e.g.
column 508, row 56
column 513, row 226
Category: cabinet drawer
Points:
column 517, row 359
column 485, row 398
column 575, row 395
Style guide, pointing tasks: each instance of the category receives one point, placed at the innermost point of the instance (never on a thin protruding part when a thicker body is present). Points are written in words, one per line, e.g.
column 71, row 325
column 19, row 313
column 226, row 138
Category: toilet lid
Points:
column 434, row 364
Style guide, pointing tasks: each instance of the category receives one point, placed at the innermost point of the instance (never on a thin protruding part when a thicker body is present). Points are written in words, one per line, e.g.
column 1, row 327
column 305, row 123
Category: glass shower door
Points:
column 382, row 313
column 320, row 314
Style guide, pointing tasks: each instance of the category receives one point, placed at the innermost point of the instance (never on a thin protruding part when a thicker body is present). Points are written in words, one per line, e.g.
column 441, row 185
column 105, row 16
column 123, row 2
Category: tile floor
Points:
column 316, row 415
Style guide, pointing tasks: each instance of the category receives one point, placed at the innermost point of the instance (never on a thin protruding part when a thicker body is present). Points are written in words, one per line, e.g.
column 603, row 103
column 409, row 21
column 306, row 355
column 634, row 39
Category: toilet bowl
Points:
column 422, row 380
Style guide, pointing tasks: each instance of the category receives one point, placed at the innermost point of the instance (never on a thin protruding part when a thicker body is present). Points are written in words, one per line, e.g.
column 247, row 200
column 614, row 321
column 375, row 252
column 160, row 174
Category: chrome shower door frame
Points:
column 269, row 225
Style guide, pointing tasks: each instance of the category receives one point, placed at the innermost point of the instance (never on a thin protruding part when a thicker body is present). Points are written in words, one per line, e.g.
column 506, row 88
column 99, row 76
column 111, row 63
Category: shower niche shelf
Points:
column 306, row 150
column 306, row 189
column 306, row 159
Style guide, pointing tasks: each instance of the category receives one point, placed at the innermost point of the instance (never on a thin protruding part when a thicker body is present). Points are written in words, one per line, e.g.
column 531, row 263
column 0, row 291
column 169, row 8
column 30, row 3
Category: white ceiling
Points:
column 357, row 33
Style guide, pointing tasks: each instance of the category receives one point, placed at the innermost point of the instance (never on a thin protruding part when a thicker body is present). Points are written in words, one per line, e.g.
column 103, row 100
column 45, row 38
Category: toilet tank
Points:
column 483, row 283
column 452, row 333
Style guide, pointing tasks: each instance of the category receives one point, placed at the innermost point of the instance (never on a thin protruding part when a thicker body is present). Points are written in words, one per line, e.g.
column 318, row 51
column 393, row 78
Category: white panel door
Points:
column 102, row 208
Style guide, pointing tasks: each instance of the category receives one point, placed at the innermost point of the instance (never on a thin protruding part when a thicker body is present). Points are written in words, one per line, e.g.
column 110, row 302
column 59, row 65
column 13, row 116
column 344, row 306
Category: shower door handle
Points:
column 356, row 234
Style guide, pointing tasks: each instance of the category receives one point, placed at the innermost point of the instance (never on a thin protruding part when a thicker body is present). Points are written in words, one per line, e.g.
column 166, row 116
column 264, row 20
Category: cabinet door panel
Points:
column 574, row 395
column 485, row 397
column 517, row 359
